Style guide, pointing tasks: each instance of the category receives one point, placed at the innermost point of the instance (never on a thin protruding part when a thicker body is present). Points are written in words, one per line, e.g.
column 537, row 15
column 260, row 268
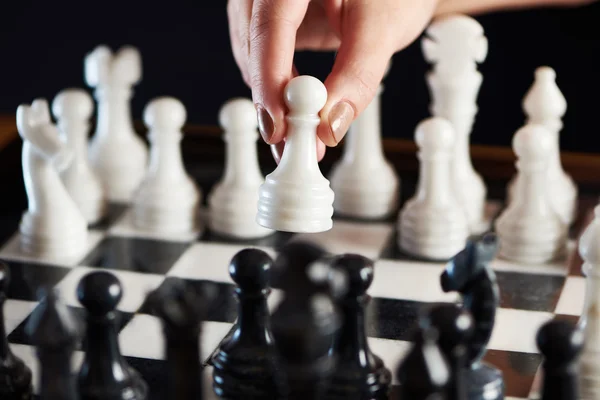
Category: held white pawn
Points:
column 168, row 199
column 73, row 109
column 115, row 147
column 233, row 201
column 433, row 224
column 364, row 182
column 296, row 197
column 589, row 249
column 529, row 229
column 53, row 226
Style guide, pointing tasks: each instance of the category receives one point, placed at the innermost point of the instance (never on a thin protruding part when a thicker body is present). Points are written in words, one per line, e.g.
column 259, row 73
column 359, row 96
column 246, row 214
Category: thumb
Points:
column 362, row 59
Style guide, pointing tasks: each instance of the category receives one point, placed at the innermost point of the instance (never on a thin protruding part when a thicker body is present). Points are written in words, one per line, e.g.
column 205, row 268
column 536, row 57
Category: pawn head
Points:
column 435, row 133
column 454, row 324
column 237, row 115
column 73, row 104
column 559, row 341
column 165, row 113
column 544, row 100
column 295, row 262
column 305, row 95
column 359, row 271
column 250, row 269
column 532, row 142
column 99, row 292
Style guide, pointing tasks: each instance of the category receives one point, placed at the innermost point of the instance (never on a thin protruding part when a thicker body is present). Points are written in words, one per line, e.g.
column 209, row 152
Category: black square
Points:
column 28, row 278
column 518, row 369
column 135, row 254
column 530, row 292
column 19, row 335
column 393, row 319
column 113, row 213
column 275, row 240
column 154, row 373
column 221, row 303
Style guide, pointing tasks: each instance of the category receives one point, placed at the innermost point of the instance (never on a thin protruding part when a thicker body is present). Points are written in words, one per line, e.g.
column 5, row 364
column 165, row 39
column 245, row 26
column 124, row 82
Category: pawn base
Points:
column 15, row 380
column 374, row 385
column 67, row 242
column 484, row 382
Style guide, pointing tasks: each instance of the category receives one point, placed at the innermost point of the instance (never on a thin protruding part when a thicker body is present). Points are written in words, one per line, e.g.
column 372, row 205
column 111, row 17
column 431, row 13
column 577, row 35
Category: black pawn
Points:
column 104, row 374
column 424, row 373
column 55, row 332
column 306, row 322
column 15, row 376
column 360, row 374
column 181, row 310
column 560, row 342
column 455, row 328
column 244, row 366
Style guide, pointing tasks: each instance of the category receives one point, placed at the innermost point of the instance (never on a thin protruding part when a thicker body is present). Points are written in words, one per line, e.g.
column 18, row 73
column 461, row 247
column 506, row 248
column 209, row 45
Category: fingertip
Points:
column 321, row 149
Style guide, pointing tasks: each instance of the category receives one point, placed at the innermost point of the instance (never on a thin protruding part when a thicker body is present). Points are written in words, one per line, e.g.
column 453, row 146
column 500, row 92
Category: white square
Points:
column 366, row 239
column 417, row 281
column 135, row 287
column 12, row 251
column 516, row 330
column 124, row 227
column 209, row 261
column 572, row 296
column 391, row 352
column 143, row 337
column 15, row 312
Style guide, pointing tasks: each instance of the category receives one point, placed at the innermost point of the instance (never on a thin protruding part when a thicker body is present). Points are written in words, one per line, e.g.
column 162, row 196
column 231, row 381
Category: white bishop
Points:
column 168, row 199
column 73, row 109
column 233, row 201
column 529, row 229
column 364, row 182
column 115, row 147
column 296, row 197
column 432, row 224
column 53, row 226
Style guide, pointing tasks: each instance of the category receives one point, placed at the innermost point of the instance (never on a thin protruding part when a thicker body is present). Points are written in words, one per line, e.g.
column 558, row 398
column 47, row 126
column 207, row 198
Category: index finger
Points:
column 272, row 37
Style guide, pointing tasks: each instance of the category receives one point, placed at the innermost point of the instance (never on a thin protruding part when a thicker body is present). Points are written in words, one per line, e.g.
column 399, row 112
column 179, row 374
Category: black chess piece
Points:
column 424, row 374
column 244, row 366
column 181, row 310
column 560, row 342
column 55, row 332
column 455, row 327
column 306, row 322
column 360, row 374
column 470, row 274
column 104, row 374
column 15, row 376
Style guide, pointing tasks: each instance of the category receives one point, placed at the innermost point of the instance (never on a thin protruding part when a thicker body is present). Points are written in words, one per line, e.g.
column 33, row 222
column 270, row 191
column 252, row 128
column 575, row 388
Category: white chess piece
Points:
column 233, row 201
column 73, row 109
column 455, row 44
column 168, row 199
column 529, row 229
column 432, row 224
column 589, row 249
column 115, row 146
column 364, row 182
column 53, row 226
column 544, row 104
column 296, row 197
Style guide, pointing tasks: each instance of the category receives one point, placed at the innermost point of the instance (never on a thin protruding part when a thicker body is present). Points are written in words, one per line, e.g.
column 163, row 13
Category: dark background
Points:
column 186, row 54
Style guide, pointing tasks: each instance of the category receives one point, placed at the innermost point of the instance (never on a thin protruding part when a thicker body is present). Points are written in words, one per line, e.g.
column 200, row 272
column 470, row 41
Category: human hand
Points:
column 266, row 33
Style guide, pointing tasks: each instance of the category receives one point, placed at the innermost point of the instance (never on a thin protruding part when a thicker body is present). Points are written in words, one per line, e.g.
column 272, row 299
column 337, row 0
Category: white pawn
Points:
column 433, row 224
column 589, row 249
column 544, row 104
column 296, row 197
column 115, row 147
column 233, row 201
column 529, row 229
column 364, row 182
column 73, row 109
column 168, row 199
column 53, row 226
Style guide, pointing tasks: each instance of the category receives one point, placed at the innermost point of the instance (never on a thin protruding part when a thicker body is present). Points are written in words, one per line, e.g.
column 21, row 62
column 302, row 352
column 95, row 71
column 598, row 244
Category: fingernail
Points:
column 340, row 118
column 266, row 126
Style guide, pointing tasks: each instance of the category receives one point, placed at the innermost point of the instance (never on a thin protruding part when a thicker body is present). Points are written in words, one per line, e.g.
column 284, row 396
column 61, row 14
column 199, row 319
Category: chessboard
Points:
column 529, row 295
